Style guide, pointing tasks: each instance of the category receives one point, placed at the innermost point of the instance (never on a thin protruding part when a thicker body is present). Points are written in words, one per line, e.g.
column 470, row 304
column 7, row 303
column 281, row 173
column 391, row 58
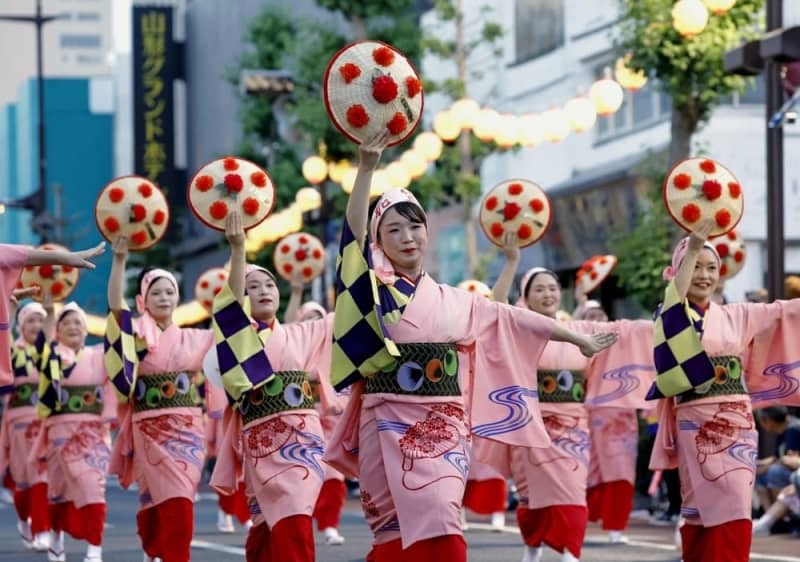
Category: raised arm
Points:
column 369, row 154
column 50, row 320
column 294, row 302
column 116, row 279
column 234, row 232
column 697, row 239
column 59, row 257
column 502, row 287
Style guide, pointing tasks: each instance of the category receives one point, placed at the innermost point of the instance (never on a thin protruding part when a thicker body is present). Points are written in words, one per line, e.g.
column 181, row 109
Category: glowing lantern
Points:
column 486, row 124
column 294, row 218
column 719, row 7
column 428, row 145
column 581, row 114
column 508, row 131
column 606, row 95
column 556, row 124
column 689, row 17
column 308, row 199
column 380, row 183
column 531, row 130
column 349, row 179
column 399, row 177
column 337, row 169
column 315, row 169
column 444, row 125
column 631, row 80
column 464, row 112
column 414, row 163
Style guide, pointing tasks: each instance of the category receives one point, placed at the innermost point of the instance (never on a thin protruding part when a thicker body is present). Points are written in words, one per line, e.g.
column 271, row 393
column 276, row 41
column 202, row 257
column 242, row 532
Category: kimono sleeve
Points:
column 313, row 342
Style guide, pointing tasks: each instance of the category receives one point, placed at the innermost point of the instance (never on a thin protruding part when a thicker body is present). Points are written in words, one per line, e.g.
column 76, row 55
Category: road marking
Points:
column 218, row 547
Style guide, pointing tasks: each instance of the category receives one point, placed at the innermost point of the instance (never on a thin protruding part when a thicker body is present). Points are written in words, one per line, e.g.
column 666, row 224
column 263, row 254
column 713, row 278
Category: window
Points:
column 538, row 27
column 79, row 41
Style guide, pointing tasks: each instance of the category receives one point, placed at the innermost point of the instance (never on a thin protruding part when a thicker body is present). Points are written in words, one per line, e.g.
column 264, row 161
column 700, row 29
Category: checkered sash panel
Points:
column 680, row 360
column 122, row 351
column 240, row 347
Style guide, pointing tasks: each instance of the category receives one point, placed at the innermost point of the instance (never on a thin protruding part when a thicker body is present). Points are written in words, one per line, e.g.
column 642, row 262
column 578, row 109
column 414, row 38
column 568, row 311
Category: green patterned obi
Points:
column 25, row 394
column 287, row 391
column 561, row 386
column 423, row 369
column 728, row 379
column 165, row 390
column 81, row 399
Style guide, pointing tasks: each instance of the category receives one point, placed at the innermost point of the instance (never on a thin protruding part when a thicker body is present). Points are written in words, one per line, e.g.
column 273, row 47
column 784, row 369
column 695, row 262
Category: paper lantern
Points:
column 606, row 95
column 581, row 114
column 337, row 169
column 508, row 131
column 631, row 80
column 315, row 169
column 531, row 130
column 349, row 179
column 464, row 112
column 428, row 145
column 689, row 17
column 414, row 163
column 445, row 125
column 486, row 124
column 719, row 7
column 399, row 177
column 308, row 199
column 556, row 124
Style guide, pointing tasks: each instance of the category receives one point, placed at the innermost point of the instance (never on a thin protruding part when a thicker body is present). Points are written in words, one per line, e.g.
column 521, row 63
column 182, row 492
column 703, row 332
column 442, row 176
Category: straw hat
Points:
column 58, row 280
column 208, row 285
column 299, row 257
column 474, row 286
column 515, row 205
column 369, row 85
column 732, row 252
column 594, row 271
column 697, row 188
column 134, row 207
column 230, row 182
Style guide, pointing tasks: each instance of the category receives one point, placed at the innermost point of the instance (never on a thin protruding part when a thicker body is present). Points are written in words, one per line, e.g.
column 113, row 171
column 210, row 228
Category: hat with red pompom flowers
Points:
column 519, row 206
column 370, row 85
column 732, row 253
column 299, row 257
column 208, row 285
column 230, row 183
column 699, row 188
column 594, row 271
column 134, row 207
column 475, row 286
column 58, row 280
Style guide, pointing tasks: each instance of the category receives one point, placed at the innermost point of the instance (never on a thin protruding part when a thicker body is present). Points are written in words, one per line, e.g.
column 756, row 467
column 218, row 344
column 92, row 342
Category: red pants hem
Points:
column 451, row 548
column 235, row 504
column 330, row 503
column 558, row 526
column 611, row 503
column 729, row 542
column 166, row 530
column 485, row 496
column 291, row 540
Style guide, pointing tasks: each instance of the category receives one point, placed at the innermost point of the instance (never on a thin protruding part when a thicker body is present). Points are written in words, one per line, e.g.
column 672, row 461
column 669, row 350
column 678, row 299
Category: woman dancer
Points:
column 275, row 432
column 161, row 440
column 78, row 403
column 405, row 431
column 706, row 429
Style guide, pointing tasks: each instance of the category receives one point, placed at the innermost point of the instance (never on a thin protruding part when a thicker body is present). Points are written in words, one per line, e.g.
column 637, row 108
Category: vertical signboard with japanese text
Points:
column 155, row 69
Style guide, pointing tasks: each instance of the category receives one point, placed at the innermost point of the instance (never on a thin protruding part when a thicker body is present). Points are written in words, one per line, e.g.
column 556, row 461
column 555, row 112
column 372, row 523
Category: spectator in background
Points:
column 757, row 295
column 774, row 472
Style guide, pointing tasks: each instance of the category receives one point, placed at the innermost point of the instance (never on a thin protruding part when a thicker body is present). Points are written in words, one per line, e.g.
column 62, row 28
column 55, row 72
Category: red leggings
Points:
column 729, row 542
column 561, row 527
column 329, row 504
column 85, row 523
column 32, row 503
column 612, row 503
column 290, row 540
column 485, row 496
column 451, row 548
column 235, row 504
column 166, row 529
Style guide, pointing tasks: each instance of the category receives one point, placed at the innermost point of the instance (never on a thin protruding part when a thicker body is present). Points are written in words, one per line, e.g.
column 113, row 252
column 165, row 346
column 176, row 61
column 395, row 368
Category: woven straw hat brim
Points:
column 732, row 247
column 208, row 285
column 475, row 286
column 207, row 193
column 117, row 208
column 534, row 216
column 688, row 206
column 65, row 279
column 285, row 257
column 602, row 266
column 340, row 96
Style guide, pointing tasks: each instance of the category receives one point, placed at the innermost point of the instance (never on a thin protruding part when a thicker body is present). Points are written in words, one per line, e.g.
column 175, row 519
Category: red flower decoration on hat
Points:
column 349, row 72
column 593, row 275
column 218, row 210
column 300, row 255
column 57, row 288
column 288, row 268
column 384, row 56
column 723, row 250
column 524, row 231
column 723, row 218
column 317, row 254
column 308, row 272
column 515, row 188
column 139, row 238
column 413, row 86
column 536, row 205
column 159, row 217
column 216, row 291
column 111, row 224
column 723, row 270
column 397, row 124
column 302, row 239
column 250, row 206
column 738, row 256
column 732, row 235
column 67, row 269
column 145, row 189
column 233, row 183
column 511, row 210
column 357, row 116
column 116, row 194
column 690, row 212
column 204, row 284
column 230, row 164
column 496, row 229
column 734, row 189
column 491, row 203
column 682, row 181
column 285, row 249
column 708, row 166
column 46, row 271
column 259, row 179
column 138, row 213
column 204, row 183
column 712, row 189
column 384, row 89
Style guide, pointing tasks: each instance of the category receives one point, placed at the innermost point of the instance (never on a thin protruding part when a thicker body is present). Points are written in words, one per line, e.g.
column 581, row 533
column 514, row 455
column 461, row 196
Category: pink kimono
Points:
column 712, row 440
column 411, row 452
column 12, row 260
column 332, row 495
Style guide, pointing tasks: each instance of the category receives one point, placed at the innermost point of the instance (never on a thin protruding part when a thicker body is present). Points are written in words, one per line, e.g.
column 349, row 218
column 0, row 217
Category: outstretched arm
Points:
column 369, row 154
column 588, row 344
column 234, row 232
column 116, row 279
column 502, row 286
column 59, row 257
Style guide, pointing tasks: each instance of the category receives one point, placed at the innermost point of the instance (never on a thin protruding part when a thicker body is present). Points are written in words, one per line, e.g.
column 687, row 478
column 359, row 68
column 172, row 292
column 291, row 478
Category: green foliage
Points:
column 364, row 9
column 690, row 70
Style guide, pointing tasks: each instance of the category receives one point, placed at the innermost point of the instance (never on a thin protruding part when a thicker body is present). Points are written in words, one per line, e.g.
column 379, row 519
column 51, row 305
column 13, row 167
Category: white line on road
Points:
column 218, row 547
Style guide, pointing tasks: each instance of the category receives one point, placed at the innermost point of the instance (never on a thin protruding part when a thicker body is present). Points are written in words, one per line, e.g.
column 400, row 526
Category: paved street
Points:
column 122, row 545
